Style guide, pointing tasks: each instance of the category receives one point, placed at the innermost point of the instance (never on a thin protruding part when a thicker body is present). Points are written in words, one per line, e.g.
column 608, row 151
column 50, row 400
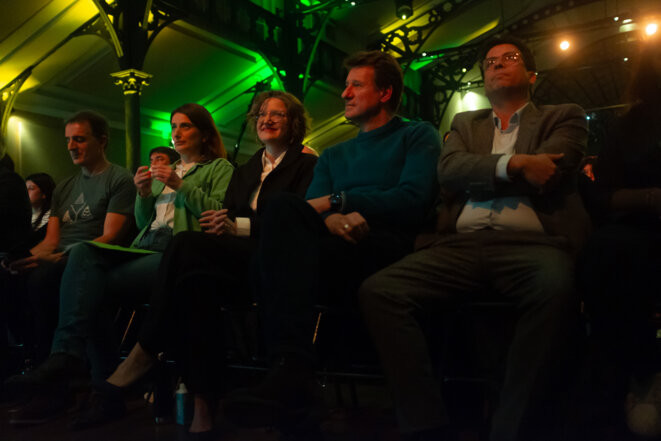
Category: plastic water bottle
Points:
column 183, row 405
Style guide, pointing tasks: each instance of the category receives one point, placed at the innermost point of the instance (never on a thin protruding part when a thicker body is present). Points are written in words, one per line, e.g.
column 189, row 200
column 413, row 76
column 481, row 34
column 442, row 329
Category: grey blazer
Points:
column 467, row 169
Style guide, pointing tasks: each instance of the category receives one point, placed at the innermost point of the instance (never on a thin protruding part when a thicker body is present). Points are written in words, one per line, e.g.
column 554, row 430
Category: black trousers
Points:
column 43, row 291
column 300, row 264
column 618, row 275
column 199, row 273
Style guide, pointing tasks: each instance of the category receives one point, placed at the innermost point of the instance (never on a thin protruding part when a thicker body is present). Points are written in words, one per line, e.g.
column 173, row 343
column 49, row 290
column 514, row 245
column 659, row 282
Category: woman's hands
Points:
column 217, row 222
column 166, row 175
column 142, row 181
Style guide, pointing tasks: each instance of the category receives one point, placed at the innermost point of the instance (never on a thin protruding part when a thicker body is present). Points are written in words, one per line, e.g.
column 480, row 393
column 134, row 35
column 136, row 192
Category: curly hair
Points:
column 298, row 120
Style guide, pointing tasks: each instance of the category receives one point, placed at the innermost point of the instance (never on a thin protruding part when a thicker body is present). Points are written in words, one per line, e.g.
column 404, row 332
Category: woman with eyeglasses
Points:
column 201, row 272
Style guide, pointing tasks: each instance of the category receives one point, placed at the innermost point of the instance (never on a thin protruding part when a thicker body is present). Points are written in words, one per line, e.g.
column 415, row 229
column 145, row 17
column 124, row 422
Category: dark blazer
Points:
column 15, row 228
column 292, row 175
column 467, row 169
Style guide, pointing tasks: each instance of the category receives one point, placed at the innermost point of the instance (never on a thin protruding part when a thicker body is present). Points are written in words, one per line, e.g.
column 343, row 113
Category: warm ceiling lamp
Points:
column 404, row 8
column 651, row 28
column 564, row 45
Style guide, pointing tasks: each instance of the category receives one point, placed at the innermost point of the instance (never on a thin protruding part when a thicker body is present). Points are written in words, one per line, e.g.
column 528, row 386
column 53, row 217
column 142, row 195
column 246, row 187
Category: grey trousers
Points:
column 533, row 270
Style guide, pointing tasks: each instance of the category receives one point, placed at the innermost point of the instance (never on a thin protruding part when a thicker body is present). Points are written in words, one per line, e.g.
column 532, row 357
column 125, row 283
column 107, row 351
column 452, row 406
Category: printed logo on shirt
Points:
column 79, row 210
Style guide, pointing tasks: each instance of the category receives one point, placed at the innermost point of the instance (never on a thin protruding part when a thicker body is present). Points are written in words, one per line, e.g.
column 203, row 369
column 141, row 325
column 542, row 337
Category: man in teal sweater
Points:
column 366, row 201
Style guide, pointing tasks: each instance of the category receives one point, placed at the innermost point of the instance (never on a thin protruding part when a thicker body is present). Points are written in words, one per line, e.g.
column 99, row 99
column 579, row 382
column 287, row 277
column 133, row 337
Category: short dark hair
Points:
column 201, row 118
column 298, row 120
column 387, row 73
column 170, row 152
column 526, row 53
column 97, row 122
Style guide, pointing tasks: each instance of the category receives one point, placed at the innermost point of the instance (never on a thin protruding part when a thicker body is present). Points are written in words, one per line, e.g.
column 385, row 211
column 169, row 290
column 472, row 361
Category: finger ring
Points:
column 346, row 226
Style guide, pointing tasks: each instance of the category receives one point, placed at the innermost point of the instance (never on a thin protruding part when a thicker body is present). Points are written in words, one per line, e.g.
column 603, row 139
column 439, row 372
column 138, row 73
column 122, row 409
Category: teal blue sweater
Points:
column 388, row 174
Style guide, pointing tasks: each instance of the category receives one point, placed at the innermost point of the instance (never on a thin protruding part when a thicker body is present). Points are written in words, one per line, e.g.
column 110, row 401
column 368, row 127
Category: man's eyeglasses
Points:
column 508, row 58
column 275, row 115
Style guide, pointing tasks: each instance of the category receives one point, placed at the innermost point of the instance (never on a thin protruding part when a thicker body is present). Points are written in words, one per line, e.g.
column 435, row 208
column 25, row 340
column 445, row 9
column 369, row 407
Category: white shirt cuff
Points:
column 243, row 226
column 501, row 168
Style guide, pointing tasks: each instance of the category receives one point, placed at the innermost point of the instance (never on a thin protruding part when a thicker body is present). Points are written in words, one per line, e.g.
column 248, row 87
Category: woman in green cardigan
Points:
column 98, row 278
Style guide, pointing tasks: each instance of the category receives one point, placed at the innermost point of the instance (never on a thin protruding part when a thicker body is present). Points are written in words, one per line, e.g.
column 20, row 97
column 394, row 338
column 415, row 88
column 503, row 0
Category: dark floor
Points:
column 372, row 420
column 369, row 422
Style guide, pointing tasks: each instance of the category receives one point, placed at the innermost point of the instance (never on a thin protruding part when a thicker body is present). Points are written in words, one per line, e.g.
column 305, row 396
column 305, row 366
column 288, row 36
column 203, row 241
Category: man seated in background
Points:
column 163, row 156
column 510, row 221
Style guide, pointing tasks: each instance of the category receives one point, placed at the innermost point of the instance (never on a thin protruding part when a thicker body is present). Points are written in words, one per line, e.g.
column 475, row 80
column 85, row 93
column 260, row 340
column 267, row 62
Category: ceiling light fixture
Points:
column 564, row 45
column 404, row 8
column 651, row 28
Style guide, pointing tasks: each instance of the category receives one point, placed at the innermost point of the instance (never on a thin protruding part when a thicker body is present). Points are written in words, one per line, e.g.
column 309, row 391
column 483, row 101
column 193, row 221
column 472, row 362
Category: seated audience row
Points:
column 289, row 231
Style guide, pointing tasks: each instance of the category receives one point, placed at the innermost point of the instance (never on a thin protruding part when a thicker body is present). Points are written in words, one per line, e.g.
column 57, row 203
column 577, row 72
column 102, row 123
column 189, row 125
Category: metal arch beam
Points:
column 104, row 28
column 9, row 92
column 8, row 96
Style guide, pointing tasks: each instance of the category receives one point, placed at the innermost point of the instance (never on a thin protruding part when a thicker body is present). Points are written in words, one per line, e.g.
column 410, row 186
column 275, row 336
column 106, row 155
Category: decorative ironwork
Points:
column 412, row 37
column 131, row 80
column 288, row 39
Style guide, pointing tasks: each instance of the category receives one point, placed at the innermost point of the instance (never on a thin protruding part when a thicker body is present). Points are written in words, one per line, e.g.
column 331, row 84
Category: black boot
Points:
column 58, row 368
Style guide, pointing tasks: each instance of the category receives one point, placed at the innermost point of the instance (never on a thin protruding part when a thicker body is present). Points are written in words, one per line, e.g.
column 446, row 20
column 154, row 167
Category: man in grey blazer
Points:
column 509, row 225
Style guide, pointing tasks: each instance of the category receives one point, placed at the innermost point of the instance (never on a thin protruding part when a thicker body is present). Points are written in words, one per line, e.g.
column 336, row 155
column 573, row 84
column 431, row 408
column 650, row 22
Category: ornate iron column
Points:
column 132, row 82
column 131, row 26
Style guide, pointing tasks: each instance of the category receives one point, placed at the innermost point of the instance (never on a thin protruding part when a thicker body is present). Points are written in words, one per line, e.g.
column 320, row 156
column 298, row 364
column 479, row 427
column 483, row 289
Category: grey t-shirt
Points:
column 81, row 203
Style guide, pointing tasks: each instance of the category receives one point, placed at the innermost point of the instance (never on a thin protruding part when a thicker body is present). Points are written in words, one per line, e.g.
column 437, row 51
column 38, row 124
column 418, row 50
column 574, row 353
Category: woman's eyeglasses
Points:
column 274, row 115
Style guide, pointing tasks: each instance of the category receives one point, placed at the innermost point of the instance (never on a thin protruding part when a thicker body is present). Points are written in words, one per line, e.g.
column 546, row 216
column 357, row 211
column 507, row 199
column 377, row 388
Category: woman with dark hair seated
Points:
column 40, row 190
column 99, row 277
column 202, row 271
column 622, row 260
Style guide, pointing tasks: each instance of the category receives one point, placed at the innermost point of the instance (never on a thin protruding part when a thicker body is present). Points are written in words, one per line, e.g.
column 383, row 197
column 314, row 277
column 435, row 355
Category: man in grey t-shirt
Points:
column 95, row 204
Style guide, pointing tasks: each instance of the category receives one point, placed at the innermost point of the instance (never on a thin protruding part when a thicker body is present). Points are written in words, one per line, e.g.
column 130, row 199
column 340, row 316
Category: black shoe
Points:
column 59, row 367
column 105, row 404
column 286, row 398
column 41, row 408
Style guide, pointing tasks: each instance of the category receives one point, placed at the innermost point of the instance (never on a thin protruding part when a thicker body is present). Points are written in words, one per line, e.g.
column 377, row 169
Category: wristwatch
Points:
column 336, row 201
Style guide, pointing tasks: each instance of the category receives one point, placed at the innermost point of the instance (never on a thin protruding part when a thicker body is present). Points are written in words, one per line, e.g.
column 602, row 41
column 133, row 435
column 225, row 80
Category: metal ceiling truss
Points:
column 290, row 40
column 407, row 40
column 445, row 77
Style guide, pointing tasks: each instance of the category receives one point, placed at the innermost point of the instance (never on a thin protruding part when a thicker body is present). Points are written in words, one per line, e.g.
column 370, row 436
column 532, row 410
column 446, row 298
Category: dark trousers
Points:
column 530, row 269
column 199, row 273
column 300, row 264
column 95, row 283
column 618, row 275
column 43, row 290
